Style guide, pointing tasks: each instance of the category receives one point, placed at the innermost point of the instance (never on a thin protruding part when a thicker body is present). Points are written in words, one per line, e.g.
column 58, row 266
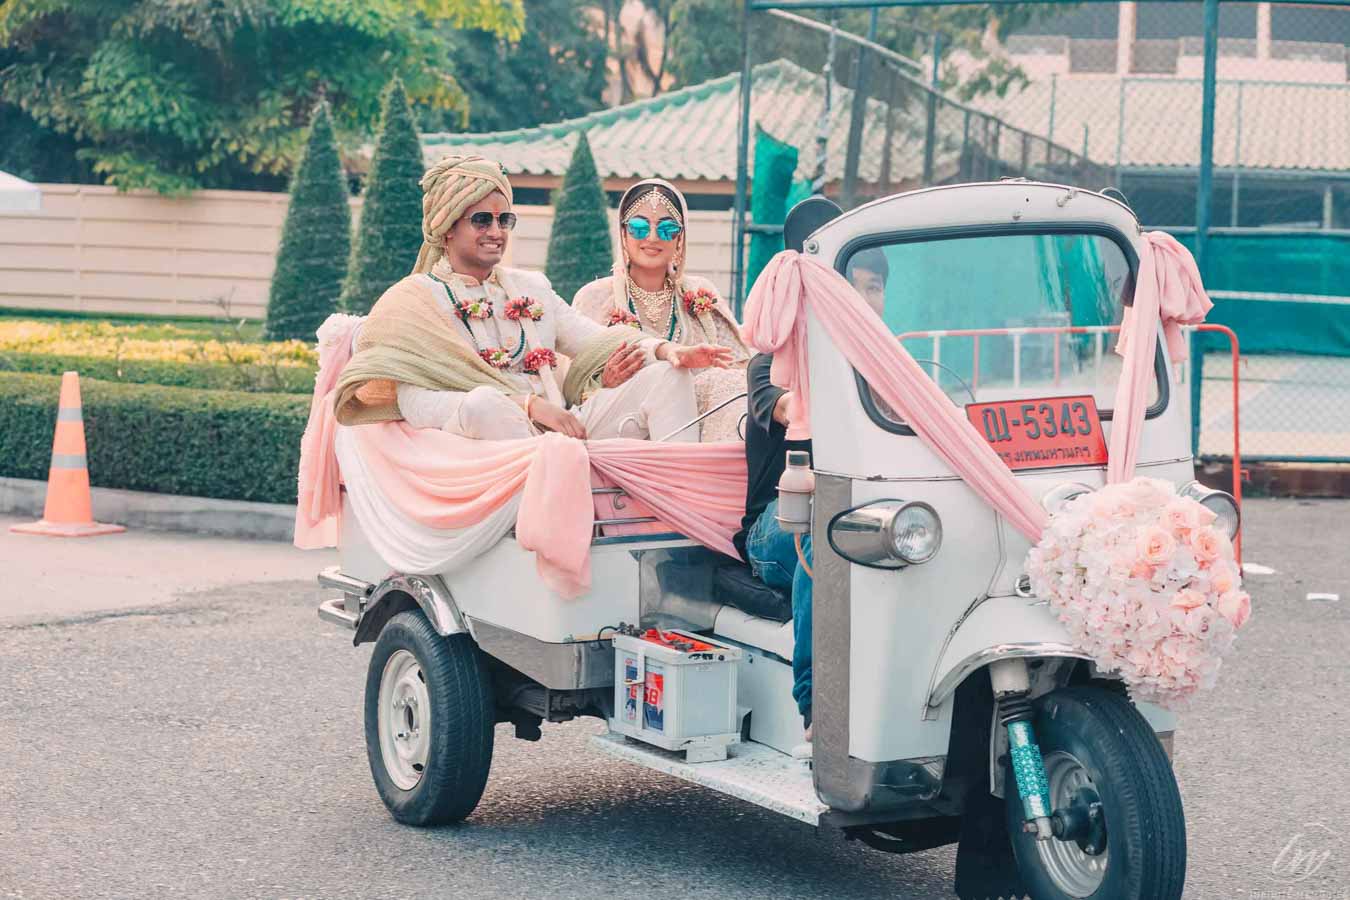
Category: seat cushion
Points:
column 735, row 586
column 774, row 637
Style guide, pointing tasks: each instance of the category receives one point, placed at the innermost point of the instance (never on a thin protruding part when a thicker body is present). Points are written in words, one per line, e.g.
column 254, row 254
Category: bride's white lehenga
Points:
column 667, row 315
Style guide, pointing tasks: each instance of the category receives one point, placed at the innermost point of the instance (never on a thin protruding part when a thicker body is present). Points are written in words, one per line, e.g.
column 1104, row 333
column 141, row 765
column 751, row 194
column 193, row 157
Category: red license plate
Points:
column 1039, row 434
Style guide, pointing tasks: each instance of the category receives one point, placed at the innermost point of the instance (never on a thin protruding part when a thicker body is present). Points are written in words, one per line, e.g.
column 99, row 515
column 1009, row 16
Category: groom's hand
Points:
column 622, row 365
column 555, row 418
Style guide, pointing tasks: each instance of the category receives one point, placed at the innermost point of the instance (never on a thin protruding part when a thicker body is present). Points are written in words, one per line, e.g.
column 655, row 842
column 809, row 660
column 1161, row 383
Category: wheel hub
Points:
column 1082, row 821
column 404, row 714
column 1076, row 861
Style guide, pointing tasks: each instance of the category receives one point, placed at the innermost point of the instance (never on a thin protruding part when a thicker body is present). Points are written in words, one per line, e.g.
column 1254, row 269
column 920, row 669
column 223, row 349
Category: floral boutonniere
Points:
column 497, row 357
column 539, row 358
column 699, row 301
column 623, row 317
column 518, row 308
column 476, row 309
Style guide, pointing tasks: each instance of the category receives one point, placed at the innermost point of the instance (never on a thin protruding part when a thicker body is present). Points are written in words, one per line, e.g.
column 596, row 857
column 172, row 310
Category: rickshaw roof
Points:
column 977, row 205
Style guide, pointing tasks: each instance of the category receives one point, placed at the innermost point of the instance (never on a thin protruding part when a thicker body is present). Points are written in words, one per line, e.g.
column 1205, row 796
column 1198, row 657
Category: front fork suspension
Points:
column 1012, row 689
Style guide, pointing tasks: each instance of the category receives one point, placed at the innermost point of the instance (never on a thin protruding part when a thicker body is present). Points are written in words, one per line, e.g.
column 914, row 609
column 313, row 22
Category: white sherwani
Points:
column 654, row 402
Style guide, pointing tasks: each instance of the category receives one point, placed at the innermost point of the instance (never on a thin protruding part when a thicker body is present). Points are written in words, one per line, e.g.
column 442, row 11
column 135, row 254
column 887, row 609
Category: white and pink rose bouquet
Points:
column 1145, row 584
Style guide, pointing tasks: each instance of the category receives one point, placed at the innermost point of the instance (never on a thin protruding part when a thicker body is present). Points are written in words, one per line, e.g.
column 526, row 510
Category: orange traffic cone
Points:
column 68, row 512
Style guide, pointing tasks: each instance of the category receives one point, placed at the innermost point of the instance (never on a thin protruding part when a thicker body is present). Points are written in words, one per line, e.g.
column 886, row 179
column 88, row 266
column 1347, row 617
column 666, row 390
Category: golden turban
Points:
column 448, row 188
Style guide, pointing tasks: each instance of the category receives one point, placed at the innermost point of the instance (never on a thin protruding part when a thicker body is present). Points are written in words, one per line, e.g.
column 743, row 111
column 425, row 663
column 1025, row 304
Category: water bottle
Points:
column 795, row 487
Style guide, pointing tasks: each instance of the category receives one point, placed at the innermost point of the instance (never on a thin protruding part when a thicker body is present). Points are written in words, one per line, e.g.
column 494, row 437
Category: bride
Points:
column 650, row 290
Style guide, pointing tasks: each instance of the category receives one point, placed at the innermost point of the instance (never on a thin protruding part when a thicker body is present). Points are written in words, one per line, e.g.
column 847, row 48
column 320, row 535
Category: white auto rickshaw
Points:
column 950, row 705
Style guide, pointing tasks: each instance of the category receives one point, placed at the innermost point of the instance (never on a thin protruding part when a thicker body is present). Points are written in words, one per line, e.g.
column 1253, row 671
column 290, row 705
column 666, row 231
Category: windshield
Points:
column 1004, row 317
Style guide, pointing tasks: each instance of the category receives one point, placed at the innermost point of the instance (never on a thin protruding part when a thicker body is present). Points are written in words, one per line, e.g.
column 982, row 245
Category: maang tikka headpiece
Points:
column 654, row 199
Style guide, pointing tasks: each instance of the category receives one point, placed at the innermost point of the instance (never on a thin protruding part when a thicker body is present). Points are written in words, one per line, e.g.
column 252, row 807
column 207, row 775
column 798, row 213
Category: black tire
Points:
column 1145, row 827
column 459, row 696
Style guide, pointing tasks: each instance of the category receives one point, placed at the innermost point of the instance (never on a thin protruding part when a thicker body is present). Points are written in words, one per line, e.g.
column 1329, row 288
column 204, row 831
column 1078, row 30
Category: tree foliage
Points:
column 705, row 38
column 315, row 240
column 390, row 232
column 579, row 248
column 174, row 95
column 554, row 71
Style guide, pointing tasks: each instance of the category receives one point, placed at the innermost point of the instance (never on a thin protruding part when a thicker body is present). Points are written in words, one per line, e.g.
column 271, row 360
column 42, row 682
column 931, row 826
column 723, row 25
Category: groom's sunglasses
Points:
column 666, row 229
column 483, row 220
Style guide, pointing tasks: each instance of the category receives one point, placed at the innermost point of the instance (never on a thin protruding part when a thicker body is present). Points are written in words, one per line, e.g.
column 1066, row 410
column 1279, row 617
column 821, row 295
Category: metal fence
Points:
column 1101, row 95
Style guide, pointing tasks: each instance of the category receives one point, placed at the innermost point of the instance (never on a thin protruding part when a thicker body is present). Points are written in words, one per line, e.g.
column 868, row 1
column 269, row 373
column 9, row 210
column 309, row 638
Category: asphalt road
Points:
column 212, row 746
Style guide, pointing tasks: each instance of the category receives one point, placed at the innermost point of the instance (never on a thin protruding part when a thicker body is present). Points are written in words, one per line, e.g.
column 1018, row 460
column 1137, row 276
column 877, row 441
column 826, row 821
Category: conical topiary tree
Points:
column 315, row 241
column 579, row 248
column 390, row 231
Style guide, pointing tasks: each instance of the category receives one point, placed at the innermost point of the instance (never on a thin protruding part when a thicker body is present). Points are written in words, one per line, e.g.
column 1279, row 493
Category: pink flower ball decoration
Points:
column 1144, row 586
column 622, row 317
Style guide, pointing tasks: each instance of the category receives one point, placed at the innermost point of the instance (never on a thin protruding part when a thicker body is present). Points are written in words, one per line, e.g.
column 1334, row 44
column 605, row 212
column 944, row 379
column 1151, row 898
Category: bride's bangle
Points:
column 529, row 398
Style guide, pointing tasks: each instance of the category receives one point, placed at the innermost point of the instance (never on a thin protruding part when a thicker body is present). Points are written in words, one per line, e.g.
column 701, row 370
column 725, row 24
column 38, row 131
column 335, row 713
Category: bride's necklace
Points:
column 653, row 303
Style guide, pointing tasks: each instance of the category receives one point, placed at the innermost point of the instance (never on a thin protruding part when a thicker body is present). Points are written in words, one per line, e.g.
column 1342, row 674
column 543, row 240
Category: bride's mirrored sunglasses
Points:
column 483, row 220
column 666, row 229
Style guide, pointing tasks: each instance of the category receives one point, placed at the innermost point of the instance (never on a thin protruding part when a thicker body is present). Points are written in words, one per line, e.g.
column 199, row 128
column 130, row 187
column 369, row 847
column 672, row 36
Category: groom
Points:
column 467, row 345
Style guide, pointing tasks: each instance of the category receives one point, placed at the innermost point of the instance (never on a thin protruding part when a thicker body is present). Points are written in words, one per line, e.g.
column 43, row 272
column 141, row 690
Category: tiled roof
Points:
column 1284, row 125
column 691, row 133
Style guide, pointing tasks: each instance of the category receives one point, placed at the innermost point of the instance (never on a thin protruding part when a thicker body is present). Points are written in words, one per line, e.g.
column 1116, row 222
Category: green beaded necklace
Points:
column 464, row 317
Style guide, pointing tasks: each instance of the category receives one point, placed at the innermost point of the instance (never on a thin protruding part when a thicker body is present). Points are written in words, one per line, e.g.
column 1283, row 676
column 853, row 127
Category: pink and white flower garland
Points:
column 1145, row 585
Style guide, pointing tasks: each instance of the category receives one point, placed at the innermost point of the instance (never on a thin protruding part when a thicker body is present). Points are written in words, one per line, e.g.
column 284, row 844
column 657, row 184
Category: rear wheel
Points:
column 1110, row 777
column 429, row 721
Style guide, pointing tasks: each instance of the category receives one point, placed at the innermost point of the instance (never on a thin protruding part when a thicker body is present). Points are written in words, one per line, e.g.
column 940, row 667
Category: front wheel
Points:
column 1131, row 845
column 429, row 721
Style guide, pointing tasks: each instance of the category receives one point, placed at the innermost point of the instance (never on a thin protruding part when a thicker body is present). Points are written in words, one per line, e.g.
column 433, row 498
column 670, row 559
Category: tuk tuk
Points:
column 929, row 652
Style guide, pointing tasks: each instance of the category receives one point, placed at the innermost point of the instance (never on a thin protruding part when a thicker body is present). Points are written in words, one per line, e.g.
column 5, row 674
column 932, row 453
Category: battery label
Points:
column 630, row 703
column 654, row 698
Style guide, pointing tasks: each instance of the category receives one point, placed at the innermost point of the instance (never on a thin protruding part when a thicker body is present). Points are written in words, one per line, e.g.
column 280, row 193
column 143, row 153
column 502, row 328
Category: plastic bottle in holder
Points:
column 795, row 488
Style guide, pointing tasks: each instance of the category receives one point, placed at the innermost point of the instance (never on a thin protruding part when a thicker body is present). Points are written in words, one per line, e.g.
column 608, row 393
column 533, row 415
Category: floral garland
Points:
column 700, row 301
column 1145, row 585
column 497, row 357
column 623, row 317
column 474, row 309
column 537, row 359
column 524, row 307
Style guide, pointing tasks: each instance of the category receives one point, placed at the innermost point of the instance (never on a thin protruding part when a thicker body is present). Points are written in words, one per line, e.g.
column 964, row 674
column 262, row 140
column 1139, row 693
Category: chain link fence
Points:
column 1107, row 95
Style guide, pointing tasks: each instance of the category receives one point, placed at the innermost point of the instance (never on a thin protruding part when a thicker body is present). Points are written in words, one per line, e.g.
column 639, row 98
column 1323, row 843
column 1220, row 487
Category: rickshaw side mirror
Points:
column 805, row 218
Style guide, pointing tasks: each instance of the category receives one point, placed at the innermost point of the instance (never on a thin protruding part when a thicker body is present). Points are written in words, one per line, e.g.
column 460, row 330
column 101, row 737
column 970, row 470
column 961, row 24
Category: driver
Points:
column 761, row 541
column 467, row 345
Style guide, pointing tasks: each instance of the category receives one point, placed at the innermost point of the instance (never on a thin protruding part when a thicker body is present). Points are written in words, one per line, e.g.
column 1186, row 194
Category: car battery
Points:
column 677, row 691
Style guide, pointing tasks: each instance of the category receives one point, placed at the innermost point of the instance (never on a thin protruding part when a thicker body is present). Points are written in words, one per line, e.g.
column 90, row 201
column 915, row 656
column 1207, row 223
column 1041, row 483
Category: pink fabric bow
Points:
column 1167, row 290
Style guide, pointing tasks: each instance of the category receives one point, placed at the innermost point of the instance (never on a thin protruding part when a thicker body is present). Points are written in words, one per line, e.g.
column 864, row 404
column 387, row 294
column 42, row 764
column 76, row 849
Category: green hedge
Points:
column 228, row 444
column 174, row 373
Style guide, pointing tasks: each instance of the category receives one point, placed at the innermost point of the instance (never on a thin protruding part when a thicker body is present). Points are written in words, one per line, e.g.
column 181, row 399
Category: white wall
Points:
column 93, row 249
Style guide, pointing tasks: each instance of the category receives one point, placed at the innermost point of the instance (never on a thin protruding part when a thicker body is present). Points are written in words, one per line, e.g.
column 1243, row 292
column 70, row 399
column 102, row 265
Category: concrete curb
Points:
column 163, row 512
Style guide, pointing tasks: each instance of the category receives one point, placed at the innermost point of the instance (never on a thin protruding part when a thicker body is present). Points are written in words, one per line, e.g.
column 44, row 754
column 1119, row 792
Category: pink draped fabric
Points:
column 1167, row 289
column 775, row 322
column 445, row 481
column 318, row 498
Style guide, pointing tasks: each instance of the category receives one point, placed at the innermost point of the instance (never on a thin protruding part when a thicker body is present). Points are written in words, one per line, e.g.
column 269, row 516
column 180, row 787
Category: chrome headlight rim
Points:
column 1199, row 492
column 1059, row 496
column 872, row 533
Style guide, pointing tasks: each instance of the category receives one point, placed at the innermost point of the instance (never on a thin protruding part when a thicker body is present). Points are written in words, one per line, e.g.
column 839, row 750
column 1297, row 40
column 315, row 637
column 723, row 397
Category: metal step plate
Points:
column 752, row 772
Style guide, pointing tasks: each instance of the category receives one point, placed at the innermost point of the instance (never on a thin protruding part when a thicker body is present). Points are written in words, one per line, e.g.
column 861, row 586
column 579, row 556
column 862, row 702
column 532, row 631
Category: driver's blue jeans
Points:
column 774, row 561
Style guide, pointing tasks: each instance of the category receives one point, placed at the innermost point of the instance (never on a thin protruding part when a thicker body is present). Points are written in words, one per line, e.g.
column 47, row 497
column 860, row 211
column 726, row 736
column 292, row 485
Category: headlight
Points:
column 887, row 534
column 1220, row 503
column 1060, row 494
